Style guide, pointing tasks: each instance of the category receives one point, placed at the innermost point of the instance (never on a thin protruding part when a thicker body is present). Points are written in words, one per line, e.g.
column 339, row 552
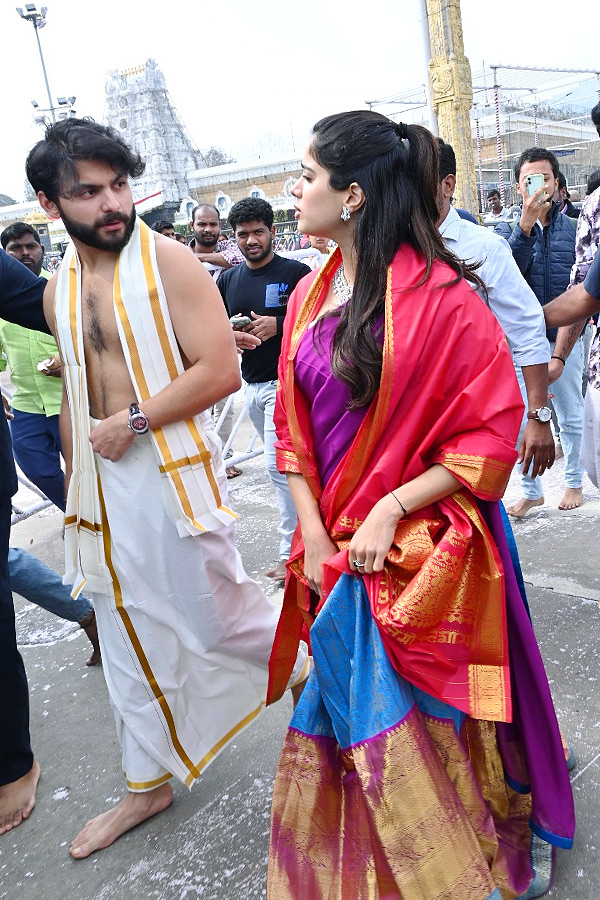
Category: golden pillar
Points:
column 452, row 93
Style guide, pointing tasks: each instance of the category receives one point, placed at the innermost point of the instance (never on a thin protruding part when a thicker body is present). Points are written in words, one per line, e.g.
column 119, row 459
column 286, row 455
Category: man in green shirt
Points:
column 37, row 396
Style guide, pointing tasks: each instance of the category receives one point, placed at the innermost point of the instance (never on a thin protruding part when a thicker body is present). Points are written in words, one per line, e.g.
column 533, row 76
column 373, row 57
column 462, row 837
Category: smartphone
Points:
column 238, row 323
column 534, row 183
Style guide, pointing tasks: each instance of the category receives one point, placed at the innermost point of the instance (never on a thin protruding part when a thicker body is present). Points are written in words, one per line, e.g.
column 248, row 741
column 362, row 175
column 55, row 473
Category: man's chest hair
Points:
column 98, row 318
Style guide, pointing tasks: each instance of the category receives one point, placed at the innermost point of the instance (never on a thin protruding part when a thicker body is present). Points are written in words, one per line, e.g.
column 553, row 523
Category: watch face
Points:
column 139, row 423
column 544, row 414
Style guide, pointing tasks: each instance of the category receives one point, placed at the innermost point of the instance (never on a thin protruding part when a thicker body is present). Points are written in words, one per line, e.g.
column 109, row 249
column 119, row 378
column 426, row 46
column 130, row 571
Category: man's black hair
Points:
column 251, row 209
column 596, row 117
column 536, row 154
column 593, row 181
column 447, row 159
column 161, row 225
column 17, row 231
column 52, row 164
column 208, row 206
column 493, row 193
column 562, row 183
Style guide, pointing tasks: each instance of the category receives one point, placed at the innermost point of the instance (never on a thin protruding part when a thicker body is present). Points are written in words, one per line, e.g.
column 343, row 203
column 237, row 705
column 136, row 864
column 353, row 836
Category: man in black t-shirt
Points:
column 260, row 289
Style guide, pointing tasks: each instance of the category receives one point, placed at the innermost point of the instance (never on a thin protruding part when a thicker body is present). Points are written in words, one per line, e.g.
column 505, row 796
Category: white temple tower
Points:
column 139, row 106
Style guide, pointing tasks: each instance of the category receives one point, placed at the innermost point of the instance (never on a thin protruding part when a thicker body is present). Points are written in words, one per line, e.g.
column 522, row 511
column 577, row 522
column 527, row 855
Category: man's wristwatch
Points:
column 137, row 420
column 542, row 414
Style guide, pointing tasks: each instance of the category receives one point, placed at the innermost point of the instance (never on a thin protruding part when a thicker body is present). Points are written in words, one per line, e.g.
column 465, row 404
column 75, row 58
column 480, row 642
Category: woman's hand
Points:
column 373, row 539
column 318, row 548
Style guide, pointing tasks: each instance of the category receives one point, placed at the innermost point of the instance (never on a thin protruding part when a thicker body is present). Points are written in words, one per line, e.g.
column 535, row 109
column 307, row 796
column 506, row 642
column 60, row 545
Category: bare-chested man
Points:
column 147, row 349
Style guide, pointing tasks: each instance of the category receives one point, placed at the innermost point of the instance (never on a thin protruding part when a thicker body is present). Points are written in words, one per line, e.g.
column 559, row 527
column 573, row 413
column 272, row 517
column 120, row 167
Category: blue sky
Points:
column 239, row 70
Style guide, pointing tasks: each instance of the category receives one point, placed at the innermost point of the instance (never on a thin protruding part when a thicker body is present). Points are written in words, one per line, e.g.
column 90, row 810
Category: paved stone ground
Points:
column 560, row 568
column 211, row 844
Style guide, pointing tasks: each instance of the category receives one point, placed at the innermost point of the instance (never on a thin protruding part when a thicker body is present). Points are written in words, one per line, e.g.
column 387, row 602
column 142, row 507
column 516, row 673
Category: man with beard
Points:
column 260, row 290
column 23, row 242
column 543, row 246
column 216, row 255
column 147, row 349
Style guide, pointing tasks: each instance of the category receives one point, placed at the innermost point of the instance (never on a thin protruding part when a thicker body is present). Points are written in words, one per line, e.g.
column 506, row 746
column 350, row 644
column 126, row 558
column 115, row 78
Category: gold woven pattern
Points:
column 401, row 816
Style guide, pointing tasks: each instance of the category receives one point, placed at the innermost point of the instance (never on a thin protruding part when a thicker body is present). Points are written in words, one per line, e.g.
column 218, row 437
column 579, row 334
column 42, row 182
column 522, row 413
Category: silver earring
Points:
column 345, row 216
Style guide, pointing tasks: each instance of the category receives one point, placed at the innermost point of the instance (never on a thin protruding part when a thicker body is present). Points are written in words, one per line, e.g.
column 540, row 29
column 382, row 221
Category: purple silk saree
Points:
column 383, row 791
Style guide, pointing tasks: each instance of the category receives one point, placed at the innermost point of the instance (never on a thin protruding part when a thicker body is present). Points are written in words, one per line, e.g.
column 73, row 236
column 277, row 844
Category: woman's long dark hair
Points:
column 397, row 168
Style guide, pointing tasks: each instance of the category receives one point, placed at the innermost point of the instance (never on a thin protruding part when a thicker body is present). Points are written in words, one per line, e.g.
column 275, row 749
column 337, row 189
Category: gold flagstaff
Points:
column 452, row 93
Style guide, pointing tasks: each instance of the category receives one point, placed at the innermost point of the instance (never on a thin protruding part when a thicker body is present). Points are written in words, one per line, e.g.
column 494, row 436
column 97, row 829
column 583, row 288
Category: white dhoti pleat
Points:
column 186, row 635
column 589, row 455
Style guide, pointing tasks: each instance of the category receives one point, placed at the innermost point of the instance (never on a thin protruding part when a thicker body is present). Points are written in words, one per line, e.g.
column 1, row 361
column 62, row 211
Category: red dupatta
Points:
column 448, row 395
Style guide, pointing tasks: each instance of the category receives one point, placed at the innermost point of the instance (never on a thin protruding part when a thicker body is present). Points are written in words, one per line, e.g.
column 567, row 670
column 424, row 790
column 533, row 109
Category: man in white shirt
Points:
column 497, row 212
column 515, row 306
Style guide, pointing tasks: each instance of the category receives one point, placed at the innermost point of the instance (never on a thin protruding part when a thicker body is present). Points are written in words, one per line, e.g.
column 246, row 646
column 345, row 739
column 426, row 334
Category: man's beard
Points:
column 34, row 266
column 207, row 240
column 90, row 236
column 262, row 256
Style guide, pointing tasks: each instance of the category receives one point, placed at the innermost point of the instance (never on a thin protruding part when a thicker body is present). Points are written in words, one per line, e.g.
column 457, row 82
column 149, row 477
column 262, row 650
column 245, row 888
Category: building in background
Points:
column 139, row 106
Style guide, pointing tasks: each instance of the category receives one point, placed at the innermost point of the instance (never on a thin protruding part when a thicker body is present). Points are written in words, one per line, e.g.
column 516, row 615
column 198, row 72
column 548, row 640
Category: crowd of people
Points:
column 395, row 382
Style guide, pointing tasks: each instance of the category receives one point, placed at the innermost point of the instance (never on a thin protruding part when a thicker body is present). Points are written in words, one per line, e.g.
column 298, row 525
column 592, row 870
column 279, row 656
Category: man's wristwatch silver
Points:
column 542, row 414
column 137, row 420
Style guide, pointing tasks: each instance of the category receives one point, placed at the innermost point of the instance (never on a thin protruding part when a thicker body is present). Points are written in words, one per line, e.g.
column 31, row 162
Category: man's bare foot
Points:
column 102, row 831
column 520, row 509
column 17, row 799
column 572, row 499
column 279, row 572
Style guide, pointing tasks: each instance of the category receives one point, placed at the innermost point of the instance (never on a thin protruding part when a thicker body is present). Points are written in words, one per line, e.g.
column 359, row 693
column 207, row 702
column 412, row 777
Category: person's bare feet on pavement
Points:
column 279, row 572
column 17, row 799
column 102, row 831
column 572, row 499
column 520, row 509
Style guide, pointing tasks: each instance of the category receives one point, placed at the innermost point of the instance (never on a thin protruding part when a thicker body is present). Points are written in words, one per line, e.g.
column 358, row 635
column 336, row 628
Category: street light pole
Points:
column 38, row 20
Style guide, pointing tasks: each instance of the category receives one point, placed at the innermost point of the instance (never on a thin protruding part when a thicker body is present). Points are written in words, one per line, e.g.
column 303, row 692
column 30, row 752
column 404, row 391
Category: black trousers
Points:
column 16, row 758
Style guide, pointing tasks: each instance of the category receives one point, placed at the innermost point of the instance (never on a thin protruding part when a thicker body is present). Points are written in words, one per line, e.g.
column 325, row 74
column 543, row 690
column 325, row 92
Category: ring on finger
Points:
column 358, row 564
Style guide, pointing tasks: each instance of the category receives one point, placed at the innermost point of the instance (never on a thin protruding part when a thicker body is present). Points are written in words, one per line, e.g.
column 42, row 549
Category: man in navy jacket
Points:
column 543, row 246
column 21, row 302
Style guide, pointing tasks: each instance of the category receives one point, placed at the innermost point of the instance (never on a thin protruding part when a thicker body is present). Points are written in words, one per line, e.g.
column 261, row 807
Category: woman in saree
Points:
column 423, row 760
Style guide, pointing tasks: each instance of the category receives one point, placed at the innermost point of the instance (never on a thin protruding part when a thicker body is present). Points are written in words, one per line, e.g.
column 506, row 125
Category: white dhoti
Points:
column 186, row 635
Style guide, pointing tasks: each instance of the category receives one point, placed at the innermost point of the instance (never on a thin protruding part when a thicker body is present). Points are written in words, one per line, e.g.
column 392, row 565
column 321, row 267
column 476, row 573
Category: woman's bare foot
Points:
column 520, row 509
column 572, row 499
column 278, row 572
column 17, row 799
column 102, row 831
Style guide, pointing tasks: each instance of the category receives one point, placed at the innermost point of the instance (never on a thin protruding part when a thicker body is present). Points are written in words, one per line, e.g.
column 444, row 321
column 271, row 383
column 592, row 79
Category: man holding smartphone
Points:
column 543, row 246
column 259, row 291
